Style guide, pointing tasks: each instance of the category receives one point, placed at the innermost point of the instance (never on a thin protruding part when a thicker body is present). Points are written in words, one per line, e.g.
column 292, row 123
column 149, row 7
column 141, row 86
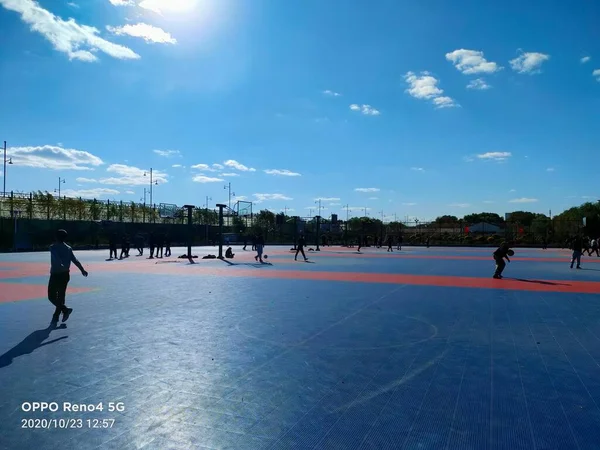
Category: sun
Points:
column 170, row 6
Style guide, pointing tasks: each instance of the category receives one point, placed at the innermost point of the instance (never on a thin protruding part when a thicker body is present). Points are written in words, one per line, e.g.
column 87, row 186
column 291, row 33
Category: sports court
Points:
column 418, row 349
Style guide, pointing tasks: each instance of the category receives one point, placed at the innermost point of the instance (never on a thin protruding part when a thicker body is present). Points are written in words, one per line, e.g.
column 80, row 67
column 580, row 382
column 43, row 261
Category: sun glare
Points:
column 170, row 6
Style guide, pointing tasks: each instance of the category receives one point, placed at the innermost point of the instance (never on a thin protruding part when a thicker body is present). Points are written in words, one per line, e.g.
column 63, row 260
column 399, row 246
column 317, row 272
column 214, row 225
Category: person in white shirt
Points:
column 61, row 257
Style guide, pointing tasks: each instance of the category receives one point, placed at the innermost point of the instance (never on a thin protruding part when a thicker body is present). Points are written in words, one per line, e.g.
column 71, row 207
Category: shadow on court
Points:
column 32, row 342
column 256, row 264
column 548, row 283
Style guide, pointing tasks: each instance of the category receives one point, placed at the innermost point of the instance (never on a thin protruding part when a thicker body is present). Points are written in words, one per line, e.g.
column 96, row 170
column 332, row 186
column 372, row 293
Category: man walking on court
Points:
column 300, row 248
column 577, row 246
column 260, row 244
column 61, row 257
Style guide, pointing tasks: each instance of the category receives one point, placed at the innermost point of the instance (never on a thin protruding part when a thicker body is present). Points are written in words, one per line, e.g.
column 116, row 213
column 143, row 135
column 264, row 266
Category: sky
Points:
column 397, row 108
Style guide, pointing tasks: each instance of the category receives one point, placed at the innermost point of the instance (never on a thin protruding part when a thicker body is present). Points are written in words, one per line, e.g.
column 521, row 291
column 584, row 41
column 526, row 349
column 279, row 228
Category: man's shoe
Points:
column 66, row 314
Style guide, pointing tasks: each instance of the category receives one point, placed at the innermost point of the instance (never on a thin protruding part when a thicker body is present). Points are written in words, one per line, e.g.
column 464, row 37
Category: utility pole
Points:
column 4, row 173
column 365, row 211
column 382, row 216
column 318, row 202
column 60, row 181
column 151, row 184
column 347, row 212
column 285, row 208
column 208, row 199
column 228, row 187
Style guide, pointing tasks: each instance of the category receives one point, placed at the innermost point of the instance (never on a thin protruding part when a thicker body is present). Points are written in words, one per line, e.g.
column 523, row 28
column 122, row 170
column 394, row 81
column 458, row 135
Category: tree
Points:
column 265, row 220
column 486, row 217
column 446, row 220
column 524, row 218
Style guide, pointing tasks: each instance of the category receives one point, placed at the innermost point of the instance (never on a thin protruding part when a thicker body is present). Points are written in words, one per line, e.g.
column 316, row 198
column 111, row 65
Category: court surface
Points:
column 418, row 349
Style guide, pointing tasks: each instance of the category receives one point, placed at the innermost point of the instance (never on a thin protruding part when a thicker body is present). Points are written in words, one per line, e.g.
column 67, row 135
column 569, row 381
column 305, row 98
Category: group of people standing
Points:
column 159, row 244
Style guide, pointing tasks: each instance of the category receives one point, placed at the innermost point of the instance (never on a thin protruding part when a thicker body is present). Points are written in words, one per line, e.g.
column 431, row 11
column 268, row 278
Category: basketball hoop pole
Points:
column 190, row 209
column 221, row 207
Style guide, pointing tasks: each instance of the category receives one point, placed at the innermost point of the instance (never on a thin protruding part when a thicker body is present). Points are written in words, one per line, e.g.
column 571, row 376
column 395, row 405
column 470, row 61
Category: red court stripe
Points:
column 565, row 286
column 12, row 292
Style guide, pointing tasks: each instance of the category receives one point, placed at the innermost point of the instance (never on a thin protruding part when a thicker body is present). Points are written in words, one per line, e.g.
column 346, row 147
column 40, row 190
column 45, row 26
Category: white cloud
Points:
column 230, row 174
column 513, row 190
column 327, row 199
column 373, row 198
column 478, row 84
column 409, row 204
column 596, row 73
column 332, row 93
column 218, row 166
column 205, row 179
column 523, row 200
column 529, row 62
column 471, row 62
column 445, row 102
column 53, row 157
column 425, row 87
column 489, row 202
column 263, row 197
column 238, row 166
column 417, row 169
column 282, row 172
column 86, row 180
column 460, row 205
column 495, row 156
column 167, row 153
column 550, row 169
column 585, row 59
column 130, row 192
column 367, row 189
column 73, row 5
column 203, row 168
column 335, row 204
column 147, row 32
column 67, row 36
column 367, row 110
column 89, row 193
column 132, row 176
column 121, row 2
column 177, row 166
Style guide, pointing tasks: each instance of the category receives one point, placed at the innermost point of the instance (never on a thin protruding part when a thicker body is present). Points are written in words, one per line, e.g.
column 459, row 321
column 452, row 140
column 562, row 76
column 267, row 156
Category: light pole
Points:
column 318, row 202
column 144, row 199
column 60, row 181
column 9, row 161
column 366, row 211
column 228, row 187
column 151, row 184
column 208, row 199
column 347, row 212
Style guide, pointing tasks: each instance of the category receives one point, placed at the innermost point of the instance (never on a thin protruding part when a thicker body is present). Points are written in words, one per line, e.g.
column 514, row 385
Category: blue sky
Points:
column 408, row 108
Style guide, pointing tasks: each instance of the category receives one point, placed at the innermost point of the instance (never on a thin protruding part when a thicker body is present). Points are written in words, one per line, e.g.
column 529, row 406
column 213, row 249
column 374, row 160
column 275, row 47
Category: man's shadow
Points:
column 549, row 283
column 32, row 342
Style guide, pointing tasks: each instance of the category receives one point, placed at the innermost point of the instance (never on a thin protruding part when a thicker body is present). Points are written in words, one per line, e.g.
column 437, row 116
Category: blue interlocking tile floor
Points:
column 347, row 352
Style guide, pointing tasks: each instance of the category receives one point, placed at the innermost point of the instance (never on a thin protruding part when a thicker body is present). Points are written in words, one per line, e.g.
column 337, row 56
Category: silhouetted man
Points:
column 112, row 245
column 61, row 257
column 577, row 246
column 300, row 248
column 152, row 244
column 167, row 246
